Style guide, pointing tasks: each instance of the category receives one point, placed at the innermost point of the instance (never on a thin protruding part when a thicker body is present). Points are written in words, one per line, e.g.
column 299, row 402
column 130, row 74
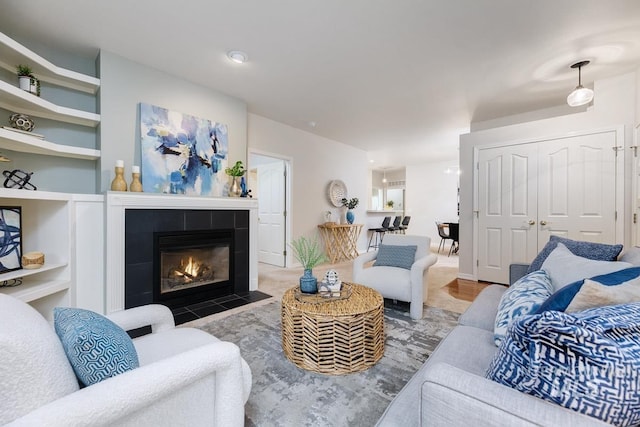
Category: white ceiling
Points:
column 398, row 78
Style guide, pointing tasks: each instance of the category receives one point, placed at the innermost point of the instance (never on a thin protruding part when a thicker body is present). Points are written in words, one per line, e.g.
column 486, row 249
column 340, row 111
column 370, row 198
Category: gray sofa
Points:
column 450, row 388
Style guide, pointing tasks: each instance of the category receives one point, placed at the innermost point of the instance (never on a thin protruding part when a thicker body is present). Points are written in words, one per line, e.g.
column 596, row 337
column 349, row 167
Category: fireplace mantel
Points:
column 119, row 202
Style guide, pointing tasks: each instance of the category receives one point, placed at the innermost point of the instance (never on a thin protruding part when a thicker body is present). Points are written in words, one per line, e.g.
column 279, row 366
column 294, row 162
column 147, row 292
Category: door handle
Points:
column 532, row 222
column 543, row 222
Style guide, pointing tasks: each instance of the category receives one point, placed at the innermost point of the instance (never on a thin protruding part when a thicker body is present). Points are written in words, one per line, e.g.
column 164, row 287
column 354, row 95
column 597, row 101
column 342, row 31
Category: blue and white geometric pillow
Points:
column 96, row 347
column 523, row 297
column 402, row 256
column 587, row 361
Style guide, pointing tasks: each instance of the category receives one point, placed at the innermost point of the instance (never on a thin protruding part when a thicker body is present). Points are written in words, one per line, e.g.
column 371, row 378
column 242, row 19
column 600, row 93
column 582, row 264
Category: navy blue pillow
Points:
column 561, row 299
column 396, row 256
column 590, row 250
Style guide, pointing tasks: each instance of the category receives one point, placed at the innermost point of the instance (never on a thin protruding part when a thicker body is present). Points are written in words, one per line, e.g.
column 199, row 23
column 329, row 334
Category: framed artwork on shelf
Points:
column 10, row 238
column 182, row 154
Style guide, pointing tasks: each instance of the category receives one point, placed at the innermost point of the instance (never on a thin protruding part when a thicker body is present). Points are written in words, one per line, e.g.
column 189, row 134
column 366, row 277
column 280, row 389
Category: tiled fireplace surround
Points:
column 174, row 213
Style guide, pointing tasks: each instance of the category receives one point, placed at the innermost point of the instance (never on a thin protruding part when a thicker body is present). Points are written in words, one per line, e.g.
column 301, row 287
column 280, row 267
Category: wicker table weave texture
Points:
column 334, row 337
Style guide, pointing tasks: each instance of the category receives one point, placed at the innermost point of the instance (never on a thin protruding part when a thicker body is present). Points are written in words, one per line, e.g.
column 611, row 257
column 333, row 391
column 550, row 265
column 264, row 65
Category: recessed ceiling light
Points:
column 237, row 56
column 312, row 124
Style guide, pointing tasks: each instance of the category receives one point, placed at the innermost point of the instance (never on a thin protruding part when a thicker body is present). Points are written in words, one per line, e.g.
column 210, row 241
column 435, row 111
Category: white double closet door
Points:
column 526, row 192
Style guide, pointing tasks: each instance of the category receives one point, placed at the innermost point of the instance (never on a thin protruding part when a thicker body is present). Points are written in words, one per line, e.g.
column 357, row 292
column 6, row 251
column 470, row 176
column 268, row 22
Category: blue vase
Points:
column 308, row 283
column 350, row 216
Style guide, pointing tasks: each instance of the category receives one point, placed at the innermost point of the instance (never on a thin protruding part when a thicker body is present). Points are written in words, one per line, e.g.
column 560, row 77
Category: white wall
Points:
column 315, row 161
column 614, row 104
column 124, row 84
column 431, row 195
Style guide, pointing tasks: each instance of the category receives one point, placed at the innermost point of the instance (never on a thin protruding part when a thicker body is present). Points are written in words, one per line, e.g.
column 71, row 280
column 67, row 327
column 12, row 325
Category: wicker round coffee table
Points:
column 334, row 337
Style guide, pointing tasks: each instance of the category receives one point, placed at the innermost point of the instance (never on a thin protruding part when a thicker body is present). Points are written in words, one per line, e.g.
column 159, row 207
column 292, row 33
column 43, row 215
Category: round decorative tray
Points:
column 324, row 296
column 337, row 192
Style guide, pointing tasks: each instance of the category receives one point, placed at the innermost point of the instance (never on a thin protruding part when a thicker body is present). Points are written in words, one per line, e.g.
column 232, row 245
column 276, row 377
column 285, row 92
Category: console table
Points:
column 340, row 240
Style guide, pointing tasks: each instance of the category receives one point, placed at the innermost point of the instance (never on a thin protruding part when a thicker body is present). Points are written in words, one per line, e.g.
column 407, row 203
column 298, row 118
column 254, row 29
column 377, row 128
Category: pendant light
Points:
column 581, row 95
column 384, row 178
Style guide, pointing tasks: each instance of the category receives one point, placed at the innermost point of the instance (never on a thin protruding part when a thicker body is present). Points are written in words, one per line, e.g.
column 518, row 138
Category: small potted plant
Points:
column 235, row 172
column 350, row 204
column 24, row 77
column 308, row 253
column 390, row 204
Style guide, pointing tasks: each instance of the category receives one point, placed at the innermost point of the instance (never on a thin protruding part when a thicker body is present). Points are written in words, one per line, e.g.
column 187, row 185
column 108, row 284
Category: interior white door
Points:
column 271, row 213
column 565, row 186
column 577, row 188
column 507, row 181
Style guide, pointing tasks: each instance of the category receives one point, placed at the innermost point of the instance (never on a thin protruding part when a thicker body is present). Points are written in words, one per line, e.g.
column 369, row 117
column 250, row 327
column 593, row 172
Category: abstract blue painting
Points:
column 10, row 238
column 182, row 154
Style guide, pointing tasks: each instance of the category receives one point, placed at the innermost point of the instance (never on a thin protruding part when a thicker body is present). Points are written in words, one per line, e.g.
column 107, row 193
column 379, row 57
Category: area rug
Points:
column 285, row 395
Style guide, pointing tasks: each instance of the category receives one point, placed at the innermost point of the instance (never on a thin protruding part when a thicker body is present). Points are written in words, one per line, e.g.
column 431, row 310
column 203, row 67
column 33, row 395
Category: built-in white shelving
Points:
column 15, row 141
column 13, row 53
column 49, row 219
column 15, row 99
column 46, row 225
column 33, row 290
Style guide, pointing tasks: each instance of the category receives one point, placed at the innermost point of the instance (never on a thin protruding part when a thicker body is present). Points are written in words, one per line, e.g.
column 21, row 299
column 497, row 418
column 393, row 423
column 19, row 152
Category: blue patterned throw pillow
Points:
column 595, row 251
column 523, row 297
column 96, row 347
column 587, row 361
column 619, row 287
column 396, row 256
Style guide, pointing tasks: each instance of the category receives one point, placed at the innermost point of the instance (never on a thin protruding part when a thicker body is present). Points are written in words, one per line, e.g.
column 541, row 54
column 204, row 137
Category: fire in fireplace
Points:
column 187, row 268
column 193, row 264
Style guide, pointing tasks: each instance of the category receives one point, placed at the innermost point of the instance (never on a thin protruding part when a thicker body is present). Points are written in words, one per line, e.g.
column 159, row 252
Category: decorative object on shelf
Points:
column 18, row 179
column 11, row 282
column 337, row 191
column 136, row 184
column 118, row 183
column 176, row 145
column 21, row 122
column 10, row 238
column 389, row 204
column 309, row 253
column 350, row 204
column 236, row 174
column 24, row 77
column 32, row 260
column 26, row 80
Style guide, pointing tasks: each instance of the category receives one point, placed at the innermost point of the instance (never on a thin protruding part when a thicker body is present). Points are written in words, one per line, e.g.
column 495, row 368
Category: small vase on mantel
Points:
column 235, row 190
column 118, row 183
column 136, row 184
column 308, row 283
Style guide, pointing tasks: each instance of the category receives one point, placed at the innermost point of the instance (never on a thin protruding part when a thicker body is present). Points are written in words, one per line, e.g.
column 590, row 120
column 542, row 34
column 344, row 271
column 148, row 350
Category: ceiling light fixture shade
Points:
column 237, row 56
column 581, row 95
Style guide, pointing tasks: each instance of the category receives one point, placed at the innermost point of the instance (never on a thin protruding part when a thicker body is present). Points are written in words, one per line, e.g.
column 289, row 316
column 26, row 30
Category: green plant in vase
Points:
column 25, row 74
column 235, row 172
column 308, row 253
column 350, row 204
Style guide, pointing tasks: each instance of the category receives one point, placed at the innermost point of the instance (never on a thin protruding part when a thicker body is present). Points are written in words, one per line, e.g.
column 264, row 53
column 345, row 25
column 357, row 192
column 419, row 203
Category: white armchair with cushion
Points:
column 399, row 271
column 185, row 376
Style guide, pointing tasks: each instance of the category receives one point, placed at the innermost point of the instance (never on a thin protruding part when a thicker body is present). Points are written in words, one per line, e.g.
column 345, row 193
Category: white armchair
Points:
column 396, row 282
column 186, row 376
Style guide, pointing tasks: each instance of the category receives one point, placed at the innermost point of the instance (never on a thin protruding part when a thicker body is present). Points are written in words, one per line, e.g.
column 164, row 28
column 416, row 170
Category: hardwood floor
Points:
column 466, row 290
